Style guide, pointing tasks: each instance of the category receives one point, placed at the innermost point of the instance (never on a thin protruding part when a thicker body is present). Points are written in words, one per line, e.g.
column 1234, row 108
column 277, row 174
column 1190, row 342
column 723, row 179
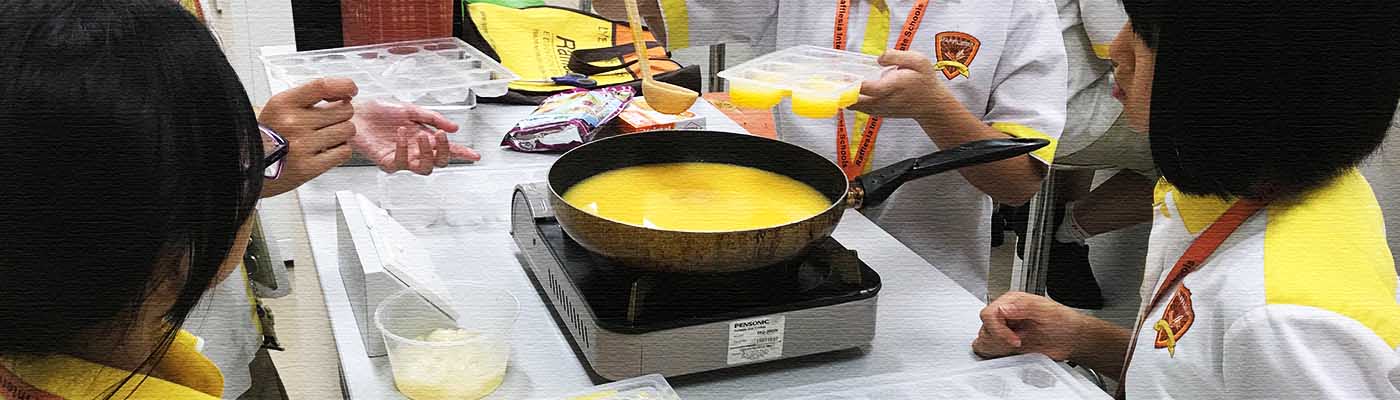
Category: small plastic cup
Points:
column 761, row 87
column 816, row 99
column 478, row 75
column 824, row 55
column 822, row 95
column 754, row 94
column 434, row 357
column 465, row 64
column 329, row 58
column 339, row 68
column 468, row 203
column 851, row 94
column 403, row 50
column 441, row 46
column 413, row 200
column 452, row 54
column 288, row 62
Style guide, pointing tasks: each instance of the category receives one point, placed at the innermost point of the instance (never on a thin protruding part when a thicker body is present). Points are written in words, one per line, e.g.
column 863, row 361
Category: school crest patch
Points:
column 1176, row 320
column 954, row 52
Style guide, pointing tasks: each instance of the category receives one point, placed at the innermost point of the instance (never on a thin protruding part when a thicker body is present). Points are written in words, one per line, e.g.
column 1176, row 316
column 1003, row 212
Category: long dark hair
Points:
column 131, row 157
column 1267, row 99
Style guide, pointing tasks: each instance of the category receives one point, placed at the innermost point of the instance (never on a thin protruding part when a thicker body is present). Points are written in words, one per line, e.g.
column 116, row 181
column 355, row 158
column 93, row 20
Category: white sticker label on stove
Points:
column 756, row 339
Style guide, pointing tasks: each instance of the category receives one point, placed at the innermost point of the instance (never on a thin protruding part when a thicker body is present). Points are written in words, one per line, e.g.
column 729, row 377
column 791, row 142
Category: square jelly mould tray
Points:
column 820, row 80
column 646, row 387
column 1022, row 377
column 445, row 71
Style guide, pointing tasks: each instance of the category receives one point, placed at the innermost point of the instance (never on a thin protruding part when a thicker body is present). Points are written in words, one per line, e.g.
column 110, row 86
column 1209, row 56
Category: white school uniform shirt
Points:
column 1015, row 83
column 1299, row 303
column 1088, row 28
column 226, row 322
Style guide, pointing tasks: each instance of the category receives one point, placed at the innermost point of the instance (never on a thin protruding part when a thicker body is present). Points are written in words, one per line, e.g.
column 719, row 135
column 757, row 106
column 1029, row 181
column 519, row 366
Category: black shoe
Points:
column 1069, row 279
column 1015, row 220
column 998, row 227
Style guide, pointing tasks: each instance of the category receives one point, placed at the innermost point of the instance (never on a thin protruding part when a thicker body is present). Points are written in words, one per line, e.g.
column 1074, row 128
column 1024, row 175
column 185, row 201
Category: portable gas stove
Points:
column 630, row 323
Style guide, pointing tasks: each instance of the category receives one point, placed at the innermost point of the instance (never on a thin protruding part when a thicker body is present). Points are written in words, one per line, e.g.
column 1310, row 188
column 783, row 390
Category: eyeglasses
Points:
column 274, row 152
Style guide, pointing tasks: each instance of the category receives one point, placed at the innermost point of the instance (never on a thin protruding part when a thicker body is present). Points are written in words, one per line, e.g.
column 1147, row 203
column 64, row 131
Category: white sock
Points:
column 1068, row 230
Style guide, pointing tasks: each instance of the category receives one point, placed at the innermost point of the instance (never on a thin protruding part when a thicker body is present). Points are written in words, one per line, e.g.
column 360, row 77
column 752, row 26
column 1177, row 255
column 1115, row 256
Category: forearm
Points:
column 1013, row 181
column 1101, row 346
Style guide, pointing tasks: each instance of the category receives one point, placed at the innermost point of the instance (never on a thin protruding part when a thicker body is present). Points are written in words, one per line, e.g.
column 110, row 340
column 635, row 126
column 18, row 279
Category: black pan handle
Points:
column 873, row 188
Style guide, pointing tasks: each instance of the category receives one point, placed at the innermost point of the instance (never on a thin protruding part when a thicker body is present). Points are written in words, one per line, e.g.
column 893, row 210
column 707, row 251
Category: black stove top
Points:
column 630, row 301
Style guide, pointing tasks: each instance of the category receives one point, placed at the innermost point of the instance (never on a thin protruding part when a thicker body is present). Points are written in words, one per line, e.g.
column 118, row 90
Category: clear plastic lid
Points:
column 819, row 80
column 646, row 387
column 1028, row 377
column 429, row 72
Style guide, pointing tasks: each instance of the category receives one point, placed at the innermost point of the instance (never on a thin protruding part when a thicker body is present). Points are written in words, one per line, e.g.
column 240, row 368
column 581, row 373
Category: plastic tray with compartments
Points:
column 819, row 80
column 429, row 72
column 646, row 387
column 1023, row 377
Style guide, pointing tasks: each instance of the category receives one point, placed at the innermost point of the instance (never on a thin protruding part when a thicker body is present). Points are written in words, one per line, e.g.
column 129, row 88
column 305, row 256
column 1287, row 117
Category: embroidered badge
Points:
column 954, row 52
column 1176, row 320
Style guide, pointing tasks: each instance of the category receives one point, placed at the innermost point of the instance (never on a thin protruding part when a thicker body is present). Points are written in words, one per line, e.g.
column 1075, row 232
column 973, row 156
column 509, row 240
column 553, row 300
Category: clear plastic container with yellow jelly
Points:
column 820, row 81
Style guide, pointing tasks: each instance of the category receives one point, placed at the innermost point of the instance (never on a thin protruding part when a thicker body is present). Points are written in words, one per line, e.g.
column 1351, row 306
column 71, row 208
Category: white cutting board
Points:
column 402, row 254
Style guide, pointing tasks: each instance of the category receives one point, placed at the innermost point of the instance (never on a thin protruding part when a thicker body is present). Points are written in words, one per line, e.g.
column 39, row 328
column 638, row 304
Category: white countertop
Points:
column 926, row 322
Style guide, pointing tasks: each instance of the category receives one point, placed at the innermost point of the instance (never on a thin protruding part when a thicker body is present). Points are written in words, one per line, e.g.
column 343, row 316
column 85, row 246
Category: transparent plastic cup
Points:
column 467, row 205
column 413, row 200
column 817, row 99
column 761, row 87
column 434, row 357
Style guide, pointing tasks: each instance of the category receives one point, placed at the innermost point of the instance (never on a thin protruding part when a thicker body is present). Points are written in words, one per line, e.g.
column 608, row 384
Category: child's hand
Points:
column 317, row 133
column 1018, row 323
column 913, row 90
column 406, row 137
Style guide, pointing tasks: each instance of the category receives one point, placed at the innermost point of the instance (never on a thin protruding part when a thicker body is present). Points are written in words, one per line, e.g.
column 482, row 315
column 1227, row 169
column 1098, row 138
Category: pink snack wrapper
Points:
column 568, row 120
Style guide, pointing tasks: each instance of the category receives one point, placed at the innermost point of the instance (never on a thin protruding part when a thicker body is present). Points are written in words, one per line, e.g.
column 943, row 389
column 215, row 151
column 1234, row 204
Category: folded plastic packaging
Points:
column 568, row 120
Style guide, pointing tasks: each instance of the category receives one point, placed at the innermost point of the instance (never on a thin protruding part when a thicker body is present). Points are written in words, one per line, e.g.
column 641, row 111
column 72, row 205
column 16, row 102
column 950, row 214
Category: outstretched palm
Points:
column 405, row 137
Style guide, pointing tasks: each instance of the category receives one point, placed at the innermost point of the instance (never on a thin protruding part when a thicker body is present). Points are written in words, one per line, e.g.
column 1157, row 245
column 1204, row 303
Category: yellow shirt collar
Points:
column 1196, row 212
column 74, row 378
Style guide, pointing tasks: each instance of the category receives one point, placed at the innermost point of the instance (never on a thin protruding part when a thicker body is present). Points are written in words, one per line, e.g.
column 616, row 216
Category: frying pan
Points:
column 661, row 250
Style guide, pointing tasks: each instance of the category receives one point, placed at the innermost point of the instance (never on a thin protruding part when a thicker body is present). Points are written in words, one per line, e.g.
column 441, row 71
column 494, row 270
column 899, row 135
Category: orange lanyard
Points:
column 11, row 387
column 854, row 168
column 1191, row 261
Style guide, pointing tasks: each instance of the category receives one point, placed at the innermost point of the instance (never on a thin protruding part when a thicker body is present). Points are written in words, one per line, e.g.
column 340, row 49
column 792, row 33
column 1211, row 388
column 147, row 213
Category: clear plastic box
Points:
column 646, row 387
column 1023, row 377
column 456, row 348
column 444, row 72
column 820, row 80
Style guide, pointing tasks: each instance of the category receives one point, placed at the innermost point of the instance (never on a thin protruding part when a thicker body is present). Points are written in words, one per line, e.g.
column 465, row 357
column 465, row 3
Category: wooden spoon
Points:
column 661, row 96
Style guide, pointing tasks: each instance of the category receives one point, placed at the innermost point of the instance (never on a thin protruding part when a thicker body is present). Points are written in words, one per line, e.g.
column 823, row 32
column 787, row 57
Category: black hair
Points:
column 131, row 157
column 1267, row 99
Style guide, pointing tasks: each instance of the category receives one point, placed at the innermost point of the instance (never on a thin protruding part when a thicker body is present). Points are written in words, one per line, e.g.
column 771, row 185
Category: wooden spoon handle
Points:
column 634, row 19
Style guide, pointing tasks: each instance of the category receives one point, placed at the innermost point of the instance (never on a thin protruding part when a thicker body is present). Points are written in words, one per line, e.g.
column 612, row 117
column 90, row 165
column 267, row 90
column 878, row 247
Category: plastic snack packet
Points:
column 568, row 120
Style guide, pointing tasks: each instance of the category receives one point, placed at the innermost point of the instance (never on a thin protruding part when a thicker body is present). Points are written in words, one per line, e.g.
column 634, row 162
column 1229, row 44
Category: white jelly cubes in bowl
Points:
column 458, row 350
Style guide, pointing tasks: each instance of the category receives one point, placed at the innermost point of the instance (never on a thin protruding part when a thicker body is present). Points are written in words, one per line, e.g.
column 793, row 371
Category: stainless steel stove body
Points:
column 628, row 323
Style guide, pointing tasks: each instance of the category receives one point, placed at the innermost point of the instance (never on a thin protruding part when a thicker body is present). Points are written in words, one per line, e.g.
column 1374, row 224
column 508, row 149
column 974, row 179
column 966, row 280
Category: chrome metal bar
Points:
column 716, row 65
column 1030, row 273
